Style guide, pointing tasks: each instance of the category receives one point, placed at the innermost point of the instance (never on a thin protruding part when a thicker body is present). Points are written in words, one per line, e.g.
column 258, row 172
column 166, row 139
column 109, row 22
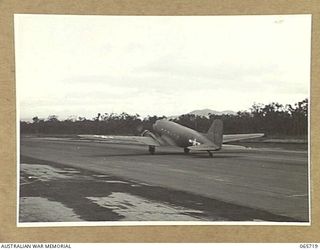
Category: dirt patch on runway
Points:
column 91, row 196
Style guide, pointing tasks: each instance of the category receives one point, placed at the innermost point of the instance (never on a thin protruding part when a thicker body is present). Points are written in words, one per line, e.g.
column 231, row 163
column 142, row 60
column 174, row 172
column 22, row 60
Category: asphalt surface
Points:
column 96, row 181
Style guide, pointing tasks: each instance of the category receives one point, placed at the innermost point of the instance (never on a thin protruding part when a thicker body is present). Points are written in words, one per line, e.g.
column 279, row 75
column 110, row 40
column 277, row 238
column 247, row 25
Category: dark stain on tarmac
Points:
column 72, row 193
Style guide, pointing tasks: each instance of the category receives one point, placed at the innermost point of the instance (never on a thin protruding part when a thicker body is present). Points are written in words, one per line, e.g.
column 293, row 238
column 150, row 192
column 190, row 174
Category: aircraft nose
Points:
column 156, row 126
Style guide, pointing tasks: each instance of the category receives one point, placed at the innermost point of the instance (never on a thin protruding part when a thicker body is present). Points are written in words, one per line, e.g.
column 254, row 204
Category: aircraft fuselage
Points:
column 178, row 135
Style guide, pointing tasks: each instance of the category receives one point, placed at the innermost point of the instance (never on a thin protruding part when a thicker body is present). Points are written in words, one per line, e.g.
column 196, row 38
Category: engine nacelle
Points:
column 149, row 134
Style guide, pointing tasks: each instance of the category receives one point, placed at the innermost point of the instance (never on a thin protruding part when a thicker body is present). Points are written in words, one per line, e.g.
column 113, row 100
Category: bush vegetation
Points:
column 273, row 119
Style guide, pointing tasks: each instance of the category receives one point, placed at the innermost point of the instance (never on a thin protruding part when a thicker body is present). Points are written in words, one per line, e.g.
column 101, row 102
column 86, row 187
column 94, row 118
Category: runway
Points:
column 109, row 182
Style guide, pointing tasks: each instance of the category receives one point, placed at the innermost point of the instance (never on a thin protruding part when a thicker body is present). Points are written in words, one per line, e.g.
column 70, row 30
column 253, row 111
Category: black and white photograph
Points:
column 163, row 120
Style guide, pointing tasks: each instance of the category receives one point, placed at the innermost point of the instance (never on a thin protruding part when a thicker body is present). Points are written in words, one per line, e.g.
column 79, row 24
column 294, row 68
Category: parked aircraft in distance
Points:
column 171, row 133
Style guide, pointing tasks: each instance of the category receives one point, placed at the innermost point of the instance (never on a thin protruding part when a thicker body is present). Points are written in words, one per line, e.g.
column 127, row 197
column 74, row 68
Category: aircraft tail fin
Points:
column 215, row 132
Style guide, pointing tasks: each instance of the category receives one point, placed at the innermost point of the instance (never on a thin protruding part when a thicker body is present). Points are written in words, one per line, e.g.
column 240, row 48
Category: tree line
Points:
column 273, row 119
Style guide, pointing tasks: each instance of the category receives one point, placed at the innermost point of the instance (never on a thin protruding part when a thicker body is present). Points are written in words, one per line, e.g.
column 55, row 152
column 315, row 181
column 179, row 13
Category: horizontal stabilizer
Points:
column 238, row 137
column 234, row 147
column 204, row 147
column 144, row 140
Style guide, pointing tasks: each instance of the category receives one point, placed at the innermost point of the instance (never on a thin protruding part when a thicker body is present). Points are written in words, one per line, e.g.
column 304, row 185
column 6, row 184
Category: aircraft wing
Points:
column 238, row 137
column 144, row 140
column 204, row 147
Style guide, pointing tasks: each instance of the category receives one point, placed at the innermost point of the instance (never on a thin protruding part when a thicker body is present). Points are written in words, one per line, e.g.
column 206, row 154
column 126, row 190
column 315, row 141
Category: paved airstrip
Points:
column 71, row 180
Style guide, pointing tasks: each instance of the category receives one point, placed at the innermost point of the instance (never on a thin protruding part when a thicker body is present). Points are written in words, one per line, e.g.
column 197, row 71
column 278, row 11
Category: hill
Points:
column 206, row 112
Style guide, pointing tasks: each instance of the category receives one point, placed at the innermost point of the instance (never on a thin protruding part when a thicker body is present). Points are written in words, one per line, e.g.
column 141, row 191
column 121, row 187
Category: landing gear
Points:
column 210, row 154
column 152, row 150
column 186, row 150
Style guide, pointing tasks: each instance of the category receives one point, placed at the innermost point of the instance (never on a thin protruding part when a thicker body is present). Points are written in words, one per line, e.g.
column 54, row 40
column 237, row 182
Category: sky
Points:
column 72, row 65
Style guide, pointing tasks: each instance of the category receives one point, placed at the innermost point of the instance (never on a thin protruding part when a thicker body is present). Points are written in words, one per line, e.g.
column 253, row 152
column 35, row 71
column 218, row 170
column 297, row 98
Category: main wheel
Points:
column 152, row 149
column 186, row 150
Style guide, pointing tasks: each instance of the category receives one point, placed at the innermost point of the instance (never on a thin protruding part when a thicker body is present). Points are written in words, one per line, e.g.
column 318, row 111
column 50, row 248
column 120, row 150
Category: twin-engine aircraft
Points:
column 171, row 133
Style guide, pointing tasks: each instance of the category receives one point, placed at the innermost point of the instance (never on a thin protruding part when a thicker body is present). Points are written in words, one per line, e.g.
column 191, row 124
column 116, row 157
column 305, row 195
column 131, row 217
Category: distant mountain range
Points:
column 207, row 112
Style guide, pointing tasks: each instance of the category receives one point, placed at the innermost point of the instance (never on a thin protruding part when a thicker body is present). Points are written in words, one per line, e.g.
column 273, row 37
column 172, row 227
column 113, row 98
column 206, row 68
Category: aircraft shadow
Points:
column 216, row 156
column 193, row 155
column 137, row 154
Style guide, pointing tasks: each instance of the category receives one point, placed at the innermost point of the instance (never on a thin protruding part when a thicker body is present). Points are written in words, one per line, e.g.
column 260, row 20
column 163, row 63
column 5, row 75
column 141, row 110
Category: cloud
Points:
column 158, row 65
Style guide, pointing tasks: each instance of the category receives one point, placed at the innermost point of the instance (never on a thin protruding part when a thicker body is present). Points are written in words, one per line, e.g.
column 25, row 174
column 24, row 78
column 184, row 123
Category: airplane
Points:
column 171, row 133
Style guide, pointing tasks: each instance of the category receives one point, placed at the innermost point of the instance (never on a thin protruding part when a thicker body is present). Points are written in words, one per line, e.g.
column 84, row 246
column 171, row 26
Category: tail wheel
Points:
column 152, row 149
column 186, row 150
